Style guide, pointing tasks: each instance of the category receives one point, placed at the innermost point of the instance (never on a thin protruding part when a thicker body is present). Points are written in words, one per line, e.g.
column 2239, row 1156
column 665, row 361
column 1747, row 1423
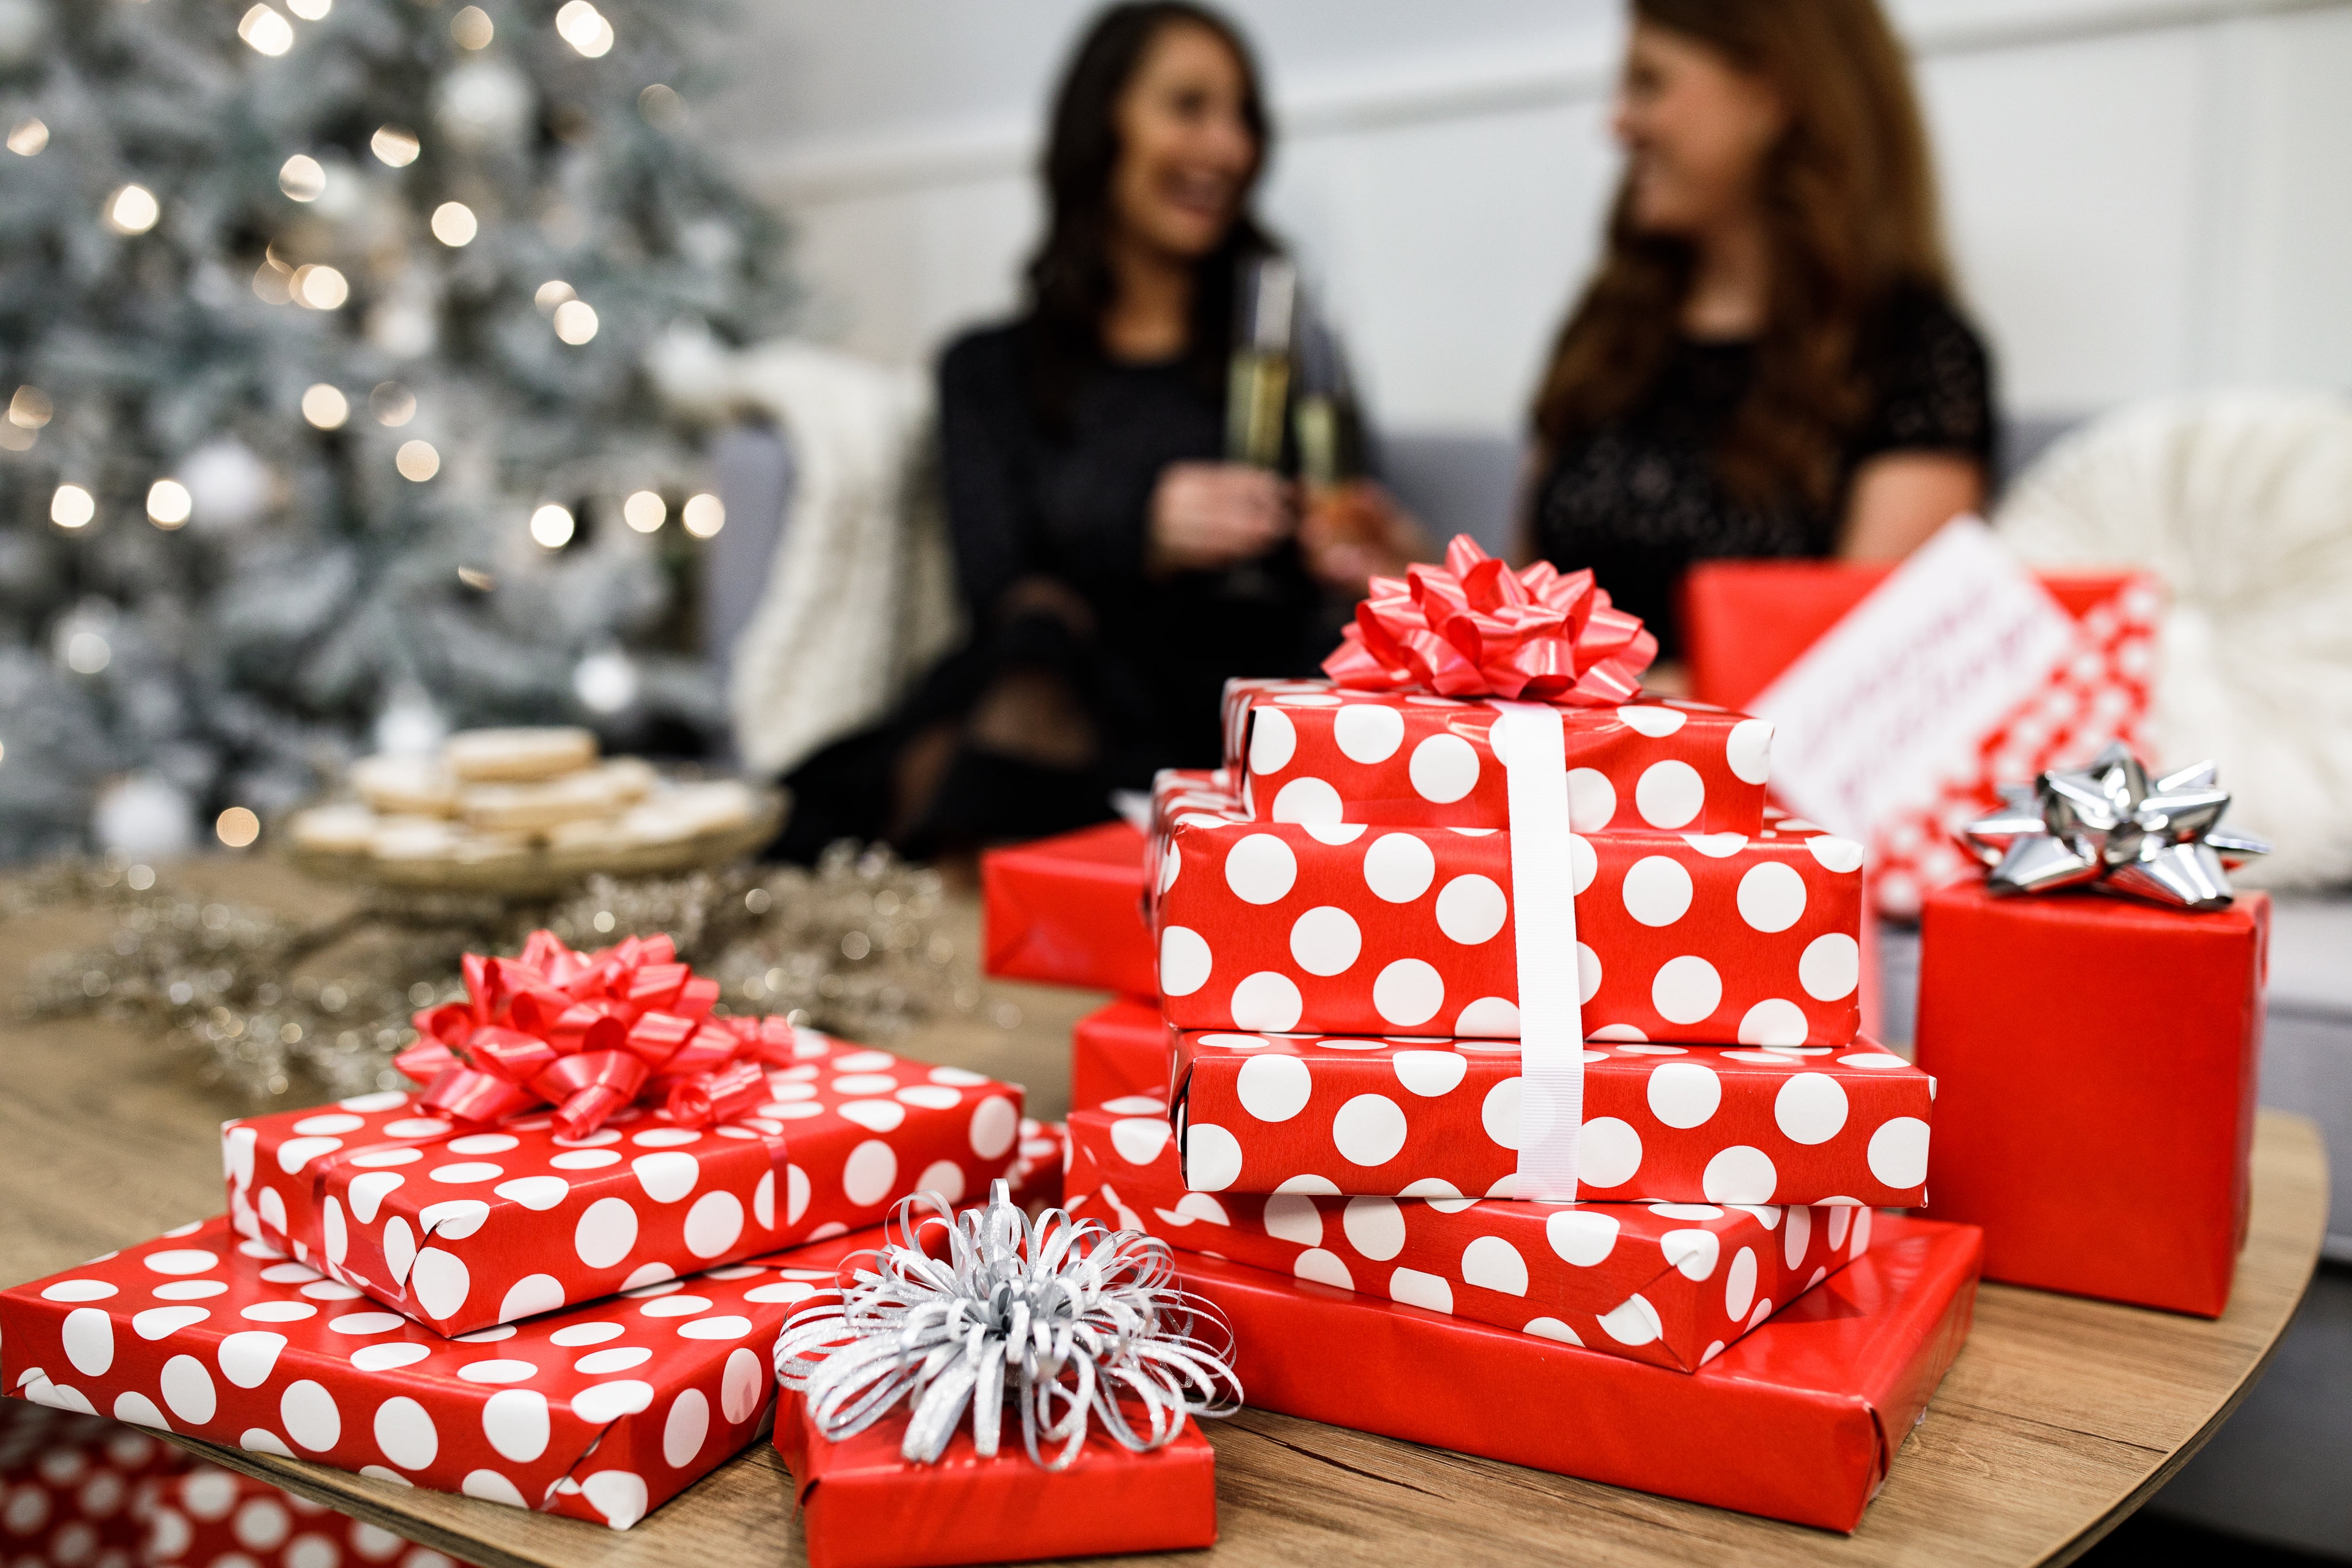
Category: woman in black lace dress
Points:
column 1768, row 359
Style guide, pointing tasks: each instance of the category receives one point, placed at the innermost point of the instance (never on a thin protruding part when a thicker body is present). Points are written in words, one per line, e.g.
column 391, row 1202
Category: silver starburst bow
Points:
column 1072, row 1321
column 2108, row 827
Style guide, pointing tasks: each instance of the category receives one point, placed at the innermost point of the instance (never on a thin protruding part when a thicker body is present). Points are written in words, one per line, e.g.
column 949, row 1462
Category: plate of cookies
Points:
column 525, row 812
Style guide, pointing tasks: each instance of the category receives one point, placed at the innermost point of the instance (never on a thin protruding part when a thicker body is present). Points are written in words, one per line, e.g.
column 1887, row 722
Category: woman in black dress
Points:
column 1115, row 569
column 1768, row 359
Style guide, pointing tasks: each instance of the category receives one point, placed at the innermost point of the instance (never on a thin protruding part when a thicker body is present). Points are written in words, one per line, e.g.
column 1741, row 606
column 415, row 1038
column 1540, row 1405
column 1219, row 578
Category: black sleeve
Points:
column 984, row 454
column 1931, row 384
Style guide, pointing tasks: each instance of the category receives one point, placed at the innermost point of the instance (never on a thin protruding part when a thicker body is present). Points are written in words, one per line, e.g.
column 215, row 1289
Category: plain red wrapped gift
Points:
column 2096, row 1060
column 1118, row 1049
column 863, row 1506
column 1798, row 1421
column 1069, row 910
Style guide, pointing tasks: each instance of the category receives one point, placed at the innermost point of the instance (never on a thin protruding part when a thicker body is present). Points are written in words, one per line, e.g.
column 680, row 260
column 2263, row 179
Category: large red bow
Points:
column 589, row 1033
column 1472, row 628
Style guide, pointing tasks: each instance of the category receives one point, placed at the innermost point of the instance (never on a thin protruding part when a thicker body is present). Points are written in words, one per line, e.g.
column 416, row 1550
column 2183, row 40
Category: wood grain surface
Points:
column 2059, row 1418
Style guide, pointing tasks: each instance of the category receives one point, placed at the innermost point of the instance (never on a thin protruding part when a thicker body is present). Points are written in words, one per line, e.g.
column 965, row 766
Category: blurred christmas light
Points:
column 475, row 578
column 471, row 28
column 265, row 30
column 133, row 210
column 662, row 107
column 453, row 223
column 703, row 514
column 551, row 526
column 29, row 138
column 394, row 146
column 583, row 27
column 88, row 653
column 320, row 287
column 605, row 681
column 30, row 408
column 325, row 406
column 237, row 827
column 643, row 511
column 392, row 403
column 169, row 503
column 310, row 10
column 273, row 281
column 72, row 507
column 575, row 321
column 417, row 461
column 17, row 438
column 551, row 294
column 303, row 178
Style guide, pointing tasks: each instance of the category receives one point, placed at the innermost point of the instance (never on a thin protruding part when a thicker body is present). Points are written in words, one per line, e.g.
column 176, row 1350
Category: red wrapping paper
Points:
column 1068, row 910
column 1799, row 1422
column 1663, row 1123
column 862, row 1506
column 1037, row 1174
column 74, row 1489
column 1682, row 937
column 2102, row 1051
column 1667, row 1284
column 1118, row 1049
column 212, row 1518
column 1305, row 751
column 463, row 1228
column 600, row 1413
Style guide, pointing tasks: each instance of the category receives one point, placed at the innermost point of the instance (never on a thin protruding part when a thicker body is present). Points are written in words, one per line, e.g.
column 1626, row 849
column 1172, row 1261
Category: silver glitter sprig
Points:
column 1071, row 1322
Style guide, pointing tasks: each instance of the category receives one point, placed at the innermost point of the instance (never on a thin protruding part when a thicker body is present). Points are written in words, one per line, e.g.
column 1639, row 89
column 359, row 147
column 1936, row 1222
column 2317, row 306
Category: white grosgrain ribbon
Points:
column 1543, row 912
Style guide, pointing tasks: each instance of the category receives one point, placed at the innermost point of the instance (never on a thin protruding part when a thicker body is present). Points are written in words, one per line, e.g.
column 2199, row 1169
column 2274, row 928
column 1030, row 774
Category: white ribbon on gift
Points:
column 1543, row 909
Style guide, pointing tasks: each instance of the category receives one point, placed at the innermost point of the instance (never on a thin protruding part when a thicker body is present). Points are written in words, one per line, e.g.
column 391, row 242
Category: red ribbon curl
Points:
column 589, row 1033
column 1472, row 628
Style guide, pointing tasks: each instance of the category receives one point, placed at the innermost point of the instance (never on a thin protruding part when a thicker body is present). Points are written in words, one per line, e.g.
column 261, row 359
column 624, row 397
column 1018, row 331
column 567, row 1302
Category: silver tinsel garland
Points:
column 277, row 1007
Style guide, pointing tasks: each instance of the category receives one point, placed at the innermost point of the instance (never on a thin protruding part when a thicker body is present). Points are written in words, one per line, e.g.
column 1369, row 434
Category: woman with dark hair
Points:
column 1768, row 359
column 1115, row 569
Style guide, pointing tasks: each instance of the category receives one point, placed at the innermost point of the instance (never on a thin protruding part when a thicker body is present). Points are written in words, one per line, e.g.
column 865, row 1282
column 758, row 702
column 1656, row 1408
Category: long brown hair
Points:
column 1071, row 287
column 1850, row 203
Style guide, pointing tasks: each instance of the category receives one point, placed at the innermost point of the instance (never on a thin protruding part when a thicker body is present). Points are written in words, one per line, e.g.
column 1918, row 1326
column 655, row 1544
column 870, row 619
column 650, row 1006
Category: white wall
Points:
column 2144, row 195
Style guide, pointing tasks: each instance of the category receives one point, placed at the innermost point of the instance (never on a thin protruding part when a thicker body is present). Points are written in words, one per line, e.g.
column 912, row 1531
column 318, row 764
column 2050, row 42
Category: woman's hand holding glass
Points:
column 1206, row 517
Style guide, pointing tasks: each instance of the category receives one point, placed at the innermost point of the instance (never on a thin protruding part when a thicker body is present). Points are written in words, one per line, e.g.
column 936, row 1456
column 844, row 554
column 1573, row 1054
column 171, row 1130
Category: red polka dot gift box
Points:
column 1312, row 751
column 1068, row 910
column 1441, row 1118
column 463, row 1227
column 212, row 1518
column 1121, row 1048
column 600, row 1412
column 1800, row 1421
column 1668, row 1284
column 1680, row 939
column 73, row 1487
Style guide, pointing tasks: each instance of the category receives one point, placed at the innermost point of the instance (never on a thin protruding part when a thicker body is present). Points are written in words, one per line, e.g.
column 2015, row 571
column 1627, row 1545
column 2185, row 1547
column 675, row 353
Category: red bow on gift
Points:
column 589, row 1033
column 1472, row 628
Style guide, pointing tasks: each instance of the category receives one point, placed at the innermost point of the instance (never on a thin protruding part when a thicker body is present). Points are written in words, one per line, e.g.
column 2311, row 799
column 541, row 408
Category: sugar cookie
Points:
column 519, row 755
column 406, row 786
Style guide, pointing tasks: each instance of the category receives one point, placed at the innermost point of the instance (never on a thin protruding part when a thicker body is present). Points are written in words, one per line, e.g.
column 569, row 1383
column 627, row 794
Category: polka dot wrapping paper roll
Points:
column 1309, row 751
column 1668, row 1284
column 1439, row 1118
column 463, row 1228
column 1683, row 937
column 599, row 1412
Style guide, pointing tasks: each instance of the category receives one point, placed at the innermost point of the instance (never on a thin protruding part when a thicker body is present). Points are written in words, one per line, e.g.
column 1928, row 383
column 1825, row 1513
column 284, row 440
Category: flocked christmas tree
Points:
column 324, row 327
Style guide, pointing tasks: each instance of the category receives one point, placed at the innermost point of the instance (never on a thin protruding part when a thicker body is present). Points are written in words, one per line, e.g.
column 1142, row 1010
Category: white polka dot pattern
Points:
column 658, row 1400
column 1688, row 938
column 529, row 1220
column 1400, row 761
column 1663, row 1283
column 1663, row 1124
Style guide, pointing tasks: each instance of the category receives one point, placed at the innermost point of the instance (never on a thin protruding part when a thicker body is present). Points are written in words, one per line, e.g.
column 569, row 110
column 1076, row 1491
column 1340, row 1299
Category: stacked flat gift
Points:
column 1494, row 987
column 594, row 1153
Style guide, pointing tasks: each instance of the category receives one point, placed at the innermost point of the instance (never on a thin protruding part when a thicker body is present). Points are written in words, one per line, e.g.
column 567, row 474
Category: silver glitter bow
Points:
column 1073, row 1320
column 2107, row 826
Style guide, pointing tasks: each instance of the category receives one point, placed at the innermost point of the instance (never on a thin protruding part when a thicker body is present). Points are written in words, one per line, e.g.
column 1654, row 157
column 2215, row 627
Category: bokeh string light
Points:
column 310, row 10
column 471, row 28
column 133, row 210
column 71, row 506
column 28, row 137
column 551, row 526
column 265, row 30
column 392, row 404
column 703, row 514
column 237, row 827
column 302, row 177
column 453, row 223
column 575, row 321
column 417, row 461
column 550, row 295
column 645, row 512
column 583, row 27
column 325, row 406
column 169, row 505
column 318, row 286
column 395, row 147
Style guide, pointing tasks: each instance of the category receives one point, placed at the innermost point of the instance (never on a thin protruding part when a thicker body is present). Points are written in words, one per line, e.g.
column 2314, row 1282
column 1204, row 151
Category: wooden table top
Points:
column 2060, row 1417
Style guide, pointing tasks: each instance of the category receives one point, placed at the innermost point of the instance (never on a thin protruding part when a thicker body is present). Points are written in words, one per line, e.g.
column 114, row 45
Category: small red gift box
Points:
column 1680, row 938
column 1798, row 1421
column 1118, row 1049
column 464, row 1227
column 1069, row 910
column 1308, row 751
column 1663, row 1123
column 76, row 1489
column 1670, row 1284
column 863, row 1506
column 2096, row 1062
column 600, row 1412
column 212, row 1518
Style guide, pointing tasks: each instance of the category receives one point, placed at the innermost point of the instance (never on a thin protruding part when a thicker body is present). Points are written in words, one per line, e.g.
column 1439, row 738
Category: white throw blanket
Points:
column 2242, row 502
